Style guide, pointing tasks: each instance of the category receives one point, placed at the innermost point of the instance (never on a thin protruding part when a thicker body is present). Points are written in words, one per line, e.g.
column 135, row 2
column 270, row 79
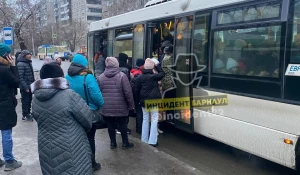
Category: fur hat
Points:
column 111, row 62
column 140, row 62
column 149, row 64
column 51, row 70
column 4, row 49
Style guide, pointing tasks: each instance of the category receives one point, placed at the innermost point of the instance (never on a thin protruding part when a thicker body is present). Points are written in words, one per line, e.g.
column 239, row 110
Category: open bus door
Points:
column 183, row 70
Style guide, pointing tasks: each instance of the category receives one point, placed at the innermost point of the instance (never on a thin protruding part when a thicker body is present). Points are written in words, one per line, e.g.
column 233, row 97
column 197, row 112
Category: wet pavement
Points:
column 178, row 153
column 142, row 159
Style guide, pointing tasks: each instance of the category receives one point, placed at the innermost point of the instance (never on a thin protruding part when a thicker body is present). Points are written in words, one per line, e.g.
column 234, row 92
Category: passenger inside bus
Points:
column 166, row 34
column 162, row 33
column 295, row 55
column 250, row 53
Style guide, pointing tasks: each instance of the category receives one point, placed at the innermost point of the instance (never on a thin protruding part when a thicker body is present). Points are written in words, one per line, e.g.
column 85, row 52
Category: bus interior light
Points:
column 289, row 142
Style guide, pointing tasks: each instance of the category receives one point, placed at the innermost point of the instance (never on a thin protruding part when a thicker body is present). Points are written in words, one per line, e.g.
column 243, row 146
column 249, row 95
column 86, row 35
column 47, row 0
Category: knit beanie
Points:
column 48, row 60
column 123, row 57
column 156, row 62
column 25, row 52
column 168, row 49
column 140, row 62
column 4, row 49
column 56, row 56
column 149, row 64
column 51, row 70
column 111, row 62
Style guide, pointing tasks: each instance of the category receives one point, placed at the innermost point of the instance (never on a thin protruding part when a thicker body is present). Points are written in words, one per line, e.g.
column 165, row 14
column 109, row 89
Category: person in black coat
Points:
column 147, row 88
column 26, row 79
column 125, row 68
column 9, row 82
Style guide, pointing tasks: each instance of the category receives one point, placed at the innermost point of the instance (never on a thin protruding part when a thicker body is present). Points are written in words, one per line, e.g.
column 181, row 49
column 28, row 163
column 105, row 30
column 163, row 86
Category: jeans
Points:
column 112, row 123
column 91, row 138
column 145, row 130
column 7, row 144
column 26, row 102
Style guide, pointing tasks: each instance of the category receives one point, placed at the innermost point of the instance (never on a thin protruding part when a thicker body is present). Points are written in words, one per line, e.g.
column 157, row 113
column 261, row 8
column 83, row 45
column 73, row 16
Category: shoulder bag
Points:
column 98, row 119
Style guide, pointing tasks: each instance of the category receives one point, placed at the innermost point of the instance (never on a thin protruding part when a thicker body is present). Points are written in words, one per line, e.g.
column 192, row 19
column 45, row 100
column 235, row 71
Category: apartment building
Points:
column 116, row 7
column 62, row 11
column 86, row 10
column 45, row 14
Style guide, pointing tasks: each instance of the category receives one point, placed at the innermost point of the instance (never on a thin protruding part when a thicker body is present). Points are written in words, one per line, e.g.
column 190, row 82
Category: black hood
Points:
column 123, row 64
column 147, row 71
column 21, row 58
column 75, row 69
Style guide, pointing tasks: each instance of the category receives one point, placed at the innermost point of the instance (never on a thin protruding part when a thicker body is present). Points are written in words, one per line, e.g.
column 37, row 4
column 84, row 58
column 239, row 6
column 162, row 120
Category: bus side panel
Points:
column 263, row 142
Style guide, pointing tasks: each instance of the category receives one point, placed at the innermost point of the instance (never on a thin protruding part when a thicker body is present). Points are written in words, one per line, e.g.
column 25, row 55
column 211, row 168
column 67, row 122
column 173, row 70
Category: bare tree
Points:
column 74, row 33
column 18, row 13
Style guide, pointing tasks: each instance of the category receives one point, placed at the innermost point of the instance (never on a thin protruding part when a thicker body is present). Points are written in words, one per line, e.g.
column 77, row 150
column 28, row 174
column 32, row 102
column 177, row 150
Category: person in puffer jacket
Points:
column 26, row 79
column 148, row 89
column 76, row 74
column 63, row 118
column 118, row 99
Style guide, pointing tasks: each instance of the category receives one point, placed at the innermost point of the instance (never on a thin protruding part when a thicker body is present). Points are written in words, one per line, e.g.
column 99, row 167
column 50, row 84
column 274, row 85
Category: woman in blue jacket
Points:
column 76, row 75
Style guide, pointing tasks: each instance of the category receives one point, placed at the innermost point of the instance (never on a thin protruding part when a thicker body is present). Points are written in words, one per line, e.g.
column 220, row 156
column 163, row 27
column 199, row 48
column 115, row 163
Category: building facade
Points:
column 86, row 11
column 62, row 11
column 45, row 14
column 117, row 7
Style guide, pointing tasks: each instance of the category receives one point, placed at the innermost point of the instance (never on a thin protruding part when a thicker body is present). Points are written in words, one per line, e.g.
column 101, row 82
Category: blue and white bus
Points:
column 246, row 46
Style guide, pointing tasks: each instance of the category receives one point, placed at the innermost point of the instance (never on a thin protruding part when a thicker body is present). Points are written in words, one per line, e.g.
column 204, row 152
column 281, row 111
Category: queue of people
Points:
column 66, row 107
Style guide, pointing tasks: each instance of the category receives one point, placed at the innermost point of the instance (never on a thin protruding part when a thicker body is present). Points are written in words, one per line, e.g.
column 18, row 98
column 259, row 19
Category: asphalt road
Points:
column 204, row 154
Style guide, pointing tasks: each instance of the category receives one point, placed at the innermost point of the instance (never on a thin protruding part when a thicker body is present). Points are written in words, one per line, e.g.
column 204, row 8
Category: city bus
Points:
column 247, row 50
column 51, row 50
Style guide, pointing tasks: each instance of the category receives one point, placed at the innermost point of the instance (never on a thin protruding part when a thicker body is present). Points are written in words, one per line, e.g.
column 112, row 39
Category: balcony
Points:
column 93, row 6
column 94, row 14
column 64, row 5
column 64, row 12
column 65, row 18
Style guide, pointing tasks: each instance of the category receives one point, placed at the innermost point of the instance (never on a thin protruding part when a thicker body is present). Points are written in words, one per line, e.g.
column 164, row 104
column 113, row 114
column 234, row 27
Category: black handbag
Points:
column 98, row 119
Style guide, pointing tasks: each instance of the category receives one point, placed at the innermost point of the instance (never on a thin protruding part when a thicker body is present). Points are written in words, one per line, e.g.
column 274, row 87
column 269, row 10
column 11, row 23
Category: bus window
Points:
column 248, row 52
column 292, row 83
column 200, row 46
column 257, row 12
column 123, row 43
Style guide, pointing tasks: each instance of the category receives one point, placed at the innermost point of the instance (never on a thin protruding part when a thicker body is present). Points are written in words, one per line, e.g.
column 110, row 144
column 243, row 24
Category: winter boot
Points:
column 11, row 165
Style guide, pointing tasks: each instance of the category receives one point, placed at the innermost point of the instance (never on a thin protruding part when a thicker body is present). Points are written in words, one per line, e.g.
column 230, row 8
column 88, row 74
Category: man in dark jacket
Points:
column 135, row 72
column 99, row 63
column 9, row 81
column 125, row 68
column 26, row 79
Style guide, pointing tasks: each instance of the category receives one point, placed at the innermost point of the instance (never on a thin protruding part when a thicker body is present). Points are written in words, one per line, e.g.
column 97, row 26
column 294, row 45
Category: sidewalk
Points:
column 141, row 160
